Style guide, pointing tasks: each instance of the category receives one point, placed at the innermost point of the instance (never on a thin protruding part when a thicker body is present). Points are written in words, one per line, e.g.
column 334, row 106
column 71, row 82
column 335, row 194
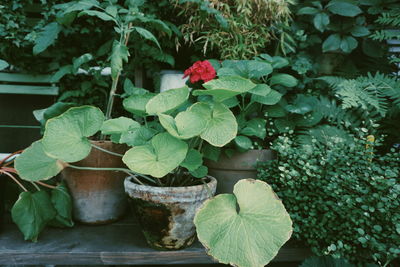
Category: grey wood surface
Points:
column 115, row 244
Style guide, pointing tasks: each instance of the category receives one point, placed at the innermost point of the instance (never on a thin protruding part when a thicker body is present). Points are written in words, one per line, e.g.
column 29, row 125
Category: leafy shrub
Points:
column 343, row 199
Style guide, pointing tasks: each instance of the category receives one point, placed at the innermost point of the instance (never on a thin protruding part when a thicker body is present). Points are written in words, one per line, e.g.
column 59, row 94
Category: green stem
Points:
column 107, row 151
column 46, row 185
column 15, row 180
column 37, row 187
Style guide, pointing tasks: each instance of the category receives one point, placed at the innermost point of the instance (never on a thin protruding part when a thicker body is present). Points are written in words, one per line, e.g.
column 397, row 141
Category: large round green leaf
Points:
column 226, row 87
column 65, row 136
column 136, row 104
column 34, row 164
column 167, row 100
column 157, row 159
column 222, row 126
column 250, row 236
column 186, row 124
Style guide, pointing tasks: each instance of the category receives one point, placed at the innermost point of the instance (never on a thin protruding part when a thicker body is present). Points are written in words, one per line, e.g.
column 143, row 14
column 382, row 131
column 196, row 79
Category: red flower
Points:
column 200, row 71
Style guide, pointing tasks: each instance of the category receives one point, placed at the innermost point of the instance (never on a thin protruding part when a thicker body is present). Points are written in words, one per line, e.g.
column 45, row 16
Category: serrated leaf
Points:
column 161, row 156
column 250, row 236
column 81, row 5
column 147, row 35
column 31, row 213
column 99, row 14
column 46, row 37
column 119, row 54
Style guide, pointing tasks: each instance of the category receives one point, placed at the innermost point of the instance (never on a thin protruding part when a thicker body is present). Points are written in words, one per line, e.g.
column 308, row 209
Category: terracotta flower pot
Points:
column 228, row 171
column 98, row 196
column 166, row 214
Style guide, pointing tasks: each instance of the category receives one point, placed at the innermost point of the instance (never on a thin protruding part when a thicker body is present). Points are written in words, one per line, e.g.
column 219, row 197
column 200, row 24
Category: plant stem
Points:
column 46, row 185
column 15, row 180
column 107, row 151
column 115, row 81
column 35, row 185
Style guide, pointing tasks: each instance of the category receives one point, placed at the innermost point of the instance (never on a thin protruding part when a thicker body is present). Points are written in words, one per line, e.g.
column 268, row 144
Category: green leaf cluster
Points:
column 32, row 212
column 343, row 199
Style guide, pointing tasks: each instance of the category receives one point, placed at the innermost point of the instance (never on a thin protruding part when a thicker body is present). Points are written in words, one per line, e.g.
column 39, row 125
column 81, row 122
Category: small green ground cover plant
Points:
column 342, row 197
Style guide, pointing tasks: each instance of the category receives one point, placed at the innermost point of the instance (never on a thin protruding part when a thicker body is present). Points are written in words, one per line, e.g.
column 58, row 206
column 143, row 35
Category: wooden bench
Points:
column 119, row 243
column 20, row 94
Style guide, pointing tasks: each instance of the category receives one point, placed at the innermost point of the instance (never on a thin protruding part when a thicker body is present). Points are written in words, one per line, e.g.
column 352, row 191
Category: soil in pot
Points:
column 98, row 196
column 229, row 170
column 166, row 213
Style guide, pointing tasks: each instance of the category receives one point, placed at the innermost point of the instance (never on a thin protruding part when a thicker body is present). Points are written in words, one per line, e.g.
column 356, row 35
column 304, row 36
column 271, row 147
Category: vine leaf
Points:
column 62, row 203
column 31, row 212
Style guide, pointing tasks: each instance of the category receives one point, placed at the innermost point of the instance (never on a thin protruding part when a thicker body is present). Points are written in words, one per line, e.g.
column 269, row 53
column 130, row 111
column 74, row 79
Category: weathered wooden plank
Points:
column 116, row 244
column 24, row 78
column 28, row 90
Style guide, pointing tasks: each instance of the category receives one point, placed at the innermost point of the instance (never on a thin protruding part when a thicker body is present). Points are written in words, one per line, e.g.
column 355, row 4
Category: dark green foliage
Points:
column 343, row 199
column 375, row 98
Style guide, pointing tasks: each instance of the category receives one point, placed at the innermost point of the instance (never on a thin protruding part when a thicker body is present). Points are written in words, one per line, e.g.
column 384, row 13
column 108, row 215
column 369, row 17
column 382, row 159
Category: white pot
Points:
column 171, row 79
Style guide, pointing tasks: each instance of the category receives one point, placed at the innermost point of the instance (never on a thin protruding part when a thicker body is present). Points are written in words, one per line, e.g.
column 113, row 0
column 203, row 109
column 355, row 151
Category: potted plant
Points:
column 258, row 85
column 167, row 180
column 97, row 193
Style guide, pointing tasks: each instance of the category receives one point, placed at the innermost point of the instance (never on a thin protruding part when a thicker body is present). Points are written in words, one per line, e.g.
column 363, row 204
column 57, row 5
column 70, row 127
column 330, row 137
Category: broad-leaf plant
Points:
column 40, row 204
column 168, row 133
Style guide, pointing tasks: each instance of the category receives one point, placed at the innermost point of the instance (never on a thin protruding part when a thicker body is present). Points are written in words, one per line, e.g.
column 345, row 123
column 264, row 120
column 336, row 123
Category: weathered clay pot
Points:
column 98, row 196
column 228, row 171
column 166, row 213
